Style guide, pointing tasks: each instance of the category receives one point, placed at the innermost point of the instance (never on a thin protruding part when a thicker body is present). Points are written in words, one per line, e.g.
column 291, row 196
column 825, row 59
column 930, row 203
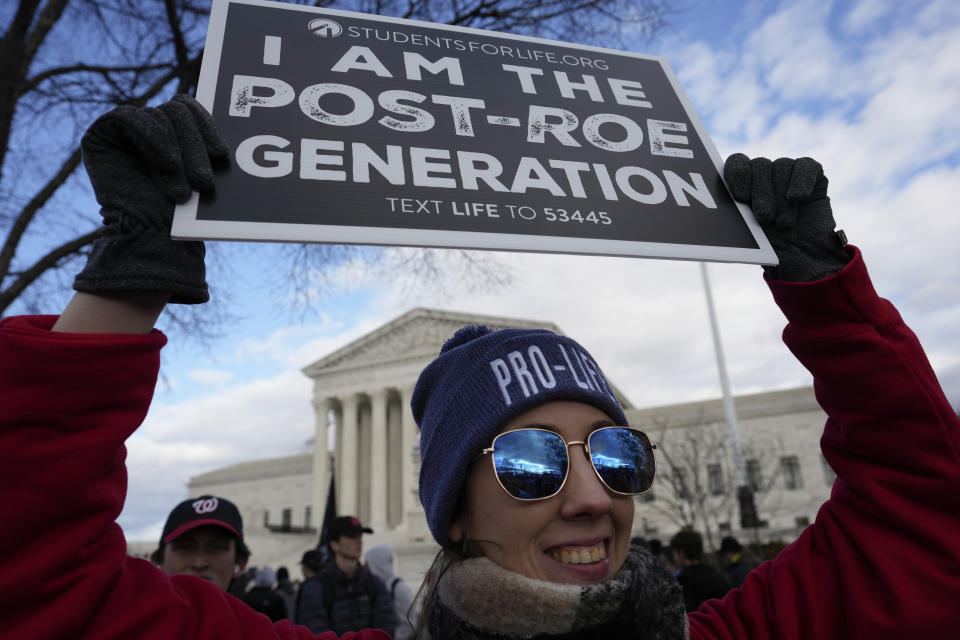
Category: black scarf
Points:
column 478, row 600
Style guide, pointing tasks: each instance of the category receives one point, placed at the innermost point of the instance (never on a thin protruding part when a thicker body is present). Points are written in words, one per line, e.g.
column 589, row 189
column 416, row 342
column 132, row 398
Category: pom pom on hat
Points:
column 465, row 335
column 481, row 380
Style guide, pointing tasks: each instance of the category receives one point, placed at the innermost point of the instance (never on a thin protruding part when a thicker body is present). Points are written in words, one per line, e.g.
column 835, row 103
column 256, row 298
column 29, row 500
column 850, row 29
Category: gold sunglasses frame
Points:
column 586, row 451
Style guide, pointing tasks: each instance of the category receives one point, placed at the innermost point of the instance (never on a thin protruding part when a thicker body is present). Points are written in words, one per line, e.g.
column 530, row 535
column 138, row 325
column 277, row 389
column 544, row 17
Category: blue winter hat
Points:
column 481, row 380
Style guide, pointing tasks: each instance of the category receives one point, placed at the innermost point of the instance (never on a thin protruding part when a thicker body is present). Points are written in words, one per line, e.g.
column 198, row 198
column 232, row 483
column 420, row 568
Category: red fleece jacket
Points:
column 67, row 404
column 882, row 559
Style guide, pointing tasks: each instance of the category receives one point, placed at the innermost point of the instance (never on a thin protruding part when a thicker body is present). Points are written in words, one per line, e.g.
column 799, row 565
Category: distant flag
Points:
column 329, row 515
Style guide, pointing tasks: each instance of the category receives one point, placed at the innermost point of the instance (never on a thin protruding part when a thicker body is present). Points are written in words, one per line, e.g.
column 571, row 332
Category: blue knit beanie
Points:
column 480, row 381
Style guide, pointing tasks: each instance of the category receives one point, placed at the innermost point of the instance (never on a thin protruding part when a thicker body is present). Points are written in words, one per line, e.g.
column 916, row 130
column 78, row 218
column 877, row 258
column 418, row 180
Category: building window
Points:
column 723, row 526
column 715, row 479
column 307, row 516
column 754, row 475
column 828, row 473
column 801, row 521
column 790, row 466
column 287, row 519
column 266, row 517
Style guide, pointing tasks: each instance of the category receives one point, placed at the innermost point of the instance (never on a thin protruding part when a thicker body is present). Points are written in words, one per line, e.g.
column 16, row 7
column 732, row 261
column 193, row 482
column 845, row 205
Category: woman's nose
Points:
column 584, row 496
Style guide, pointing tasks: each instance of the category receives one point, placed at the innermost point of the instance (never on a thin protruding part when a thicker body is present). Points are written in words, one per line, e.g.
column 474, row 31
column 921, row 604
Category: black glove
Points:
column 789, row 200
column 141, row 161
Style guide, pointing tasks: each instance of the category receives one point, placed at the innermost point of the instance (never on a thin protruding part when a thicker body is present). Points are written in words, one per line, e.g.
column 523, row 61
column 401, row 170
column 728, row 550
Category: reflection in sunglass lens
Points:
column 530, row 464
column 623, row 458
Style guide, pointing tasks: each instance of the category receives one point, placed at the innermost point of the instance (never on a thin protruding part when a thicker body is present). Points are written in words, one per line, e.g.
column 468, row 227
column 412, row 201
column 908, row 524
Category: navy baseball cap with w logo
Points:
column 200, row 511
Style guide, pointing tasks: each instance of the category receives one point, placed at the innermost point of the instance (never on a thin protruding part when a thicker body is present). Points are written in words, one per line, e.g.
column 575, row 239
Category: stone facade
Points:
column 362, row 391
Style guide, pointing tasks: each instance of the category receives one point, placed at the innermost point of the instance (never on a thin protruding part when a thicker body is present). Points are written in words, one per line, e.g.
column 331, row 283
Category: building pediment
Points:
column 417, row 334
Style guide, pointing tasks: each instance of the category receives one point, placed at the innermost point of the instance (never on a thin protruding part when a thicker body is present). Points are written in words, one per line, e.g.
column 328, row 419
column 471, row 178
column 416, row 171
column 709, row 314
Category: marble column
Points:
column 338, row 448
column 362, row 471
column 378, row 454
column 321, row 458
column 409, row 431
column 350, row 428
column 395, row 455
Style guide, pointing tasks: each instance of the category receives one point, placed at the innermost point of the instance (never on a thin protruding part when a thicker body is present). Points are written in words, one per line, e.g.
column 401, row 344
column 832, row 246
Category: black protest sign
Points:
column 363, row 129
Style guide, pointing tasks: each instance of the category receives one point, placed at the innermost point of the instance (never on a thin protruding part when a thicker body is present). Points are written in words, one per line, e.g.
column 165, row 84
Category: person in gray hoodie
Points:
column 380, row 563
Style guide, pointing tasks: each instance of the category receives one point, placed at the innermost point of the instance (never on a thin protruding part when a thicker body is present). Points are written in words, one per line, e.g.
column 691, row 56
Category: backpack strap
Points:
column 393, row 585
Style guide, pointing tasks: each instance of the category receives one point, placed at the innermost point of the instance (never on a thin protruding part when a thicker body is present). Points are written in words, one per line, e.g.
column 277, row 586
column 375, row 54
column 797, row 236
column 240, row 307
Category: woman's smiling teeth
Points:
column 580, row 555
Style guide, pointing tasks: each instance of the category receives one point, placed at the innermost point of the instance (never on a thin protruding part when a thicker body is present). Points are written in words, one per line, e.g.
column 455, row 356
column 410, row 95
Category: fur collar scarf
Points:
column 478, row 600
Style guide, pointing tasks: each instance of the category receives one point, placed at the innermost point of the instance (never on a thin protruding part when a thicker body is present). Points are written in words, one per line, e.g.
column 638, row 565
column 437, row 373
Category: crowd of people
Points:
column 701, row 579
column 203, row 537
column 543, row 554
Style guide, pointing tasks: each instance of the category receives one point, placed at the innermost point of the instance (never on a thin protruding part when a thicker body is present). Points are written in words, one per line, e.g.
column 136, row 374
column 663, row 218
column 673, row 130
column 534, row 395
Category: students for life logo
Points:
column 324, row 28
column 207, row 505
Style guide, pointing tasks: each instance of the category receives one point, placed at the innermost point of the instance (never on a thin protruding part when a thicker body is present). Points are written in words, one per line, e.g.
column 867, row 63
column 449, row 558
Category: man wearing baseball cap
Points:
column 203, row 537
column 345, row 596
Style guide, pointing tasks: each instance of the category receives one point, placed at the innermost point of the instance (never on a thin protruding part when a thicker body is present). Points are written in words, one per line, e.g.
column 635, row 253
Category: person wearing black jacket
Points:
column 699, row 580
column 345, row 596
column 261, row 597
column 733, row 561
column 287, row 590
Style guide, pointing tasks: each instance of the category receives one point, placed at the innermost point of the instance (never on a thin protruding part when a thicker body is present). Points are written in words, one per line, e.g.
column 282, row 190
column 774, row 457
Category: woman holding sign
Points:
column 529, row 466
column 529, row 469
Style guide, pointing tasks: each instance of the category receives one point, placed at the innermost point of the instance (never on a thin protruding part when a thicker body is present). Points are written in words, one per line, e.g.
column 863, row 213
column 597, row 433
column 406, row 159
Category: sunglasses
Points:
column 532, row 463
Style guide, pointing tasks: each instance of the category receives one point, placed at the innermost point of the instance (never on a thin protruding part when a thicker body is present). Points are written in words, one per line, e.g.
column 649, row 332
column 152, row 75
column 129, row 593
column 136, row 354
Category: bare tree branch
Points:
column 26, row 216
column 48, row 18
column 105, row 71
column 49, row 261
column 689, row 501
column 179, row 46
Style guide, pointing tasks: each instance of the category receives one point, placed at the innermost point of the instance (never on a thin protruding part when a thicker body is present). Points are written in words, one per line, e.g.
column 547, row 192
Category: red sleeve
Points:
column 67, row 403
column 882, row 559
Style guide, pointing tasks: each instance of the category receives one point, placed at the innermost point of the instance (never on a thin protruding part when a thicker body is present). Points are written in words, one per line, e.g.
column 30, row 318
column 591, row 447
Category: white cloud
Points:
column 786, row 90
column 722, row 90
column 308, row 351
column 795, row 56
column 270, row 412
column 891, row 157
column 865, row 14
column 259, row 419
column 934, row 15
column 211, row 377
column 274, row 347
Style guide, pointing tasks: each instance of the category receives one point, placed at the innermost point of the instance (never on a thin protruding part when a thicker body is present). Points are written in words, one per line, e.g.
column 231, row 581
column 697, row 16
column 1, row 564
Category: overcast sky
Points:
column 871, row 89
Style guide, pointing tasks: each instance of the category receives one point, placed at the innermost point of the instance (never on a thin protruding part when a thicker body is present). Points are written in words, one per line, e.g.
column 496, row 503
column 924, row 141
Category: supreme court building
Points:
column 361, row 396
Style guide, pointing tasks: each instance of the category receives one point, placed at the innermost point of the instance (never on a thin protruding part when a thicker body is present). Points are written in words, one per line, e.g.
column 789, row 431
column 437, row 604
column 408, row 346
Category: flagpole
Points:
column 748, row 510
